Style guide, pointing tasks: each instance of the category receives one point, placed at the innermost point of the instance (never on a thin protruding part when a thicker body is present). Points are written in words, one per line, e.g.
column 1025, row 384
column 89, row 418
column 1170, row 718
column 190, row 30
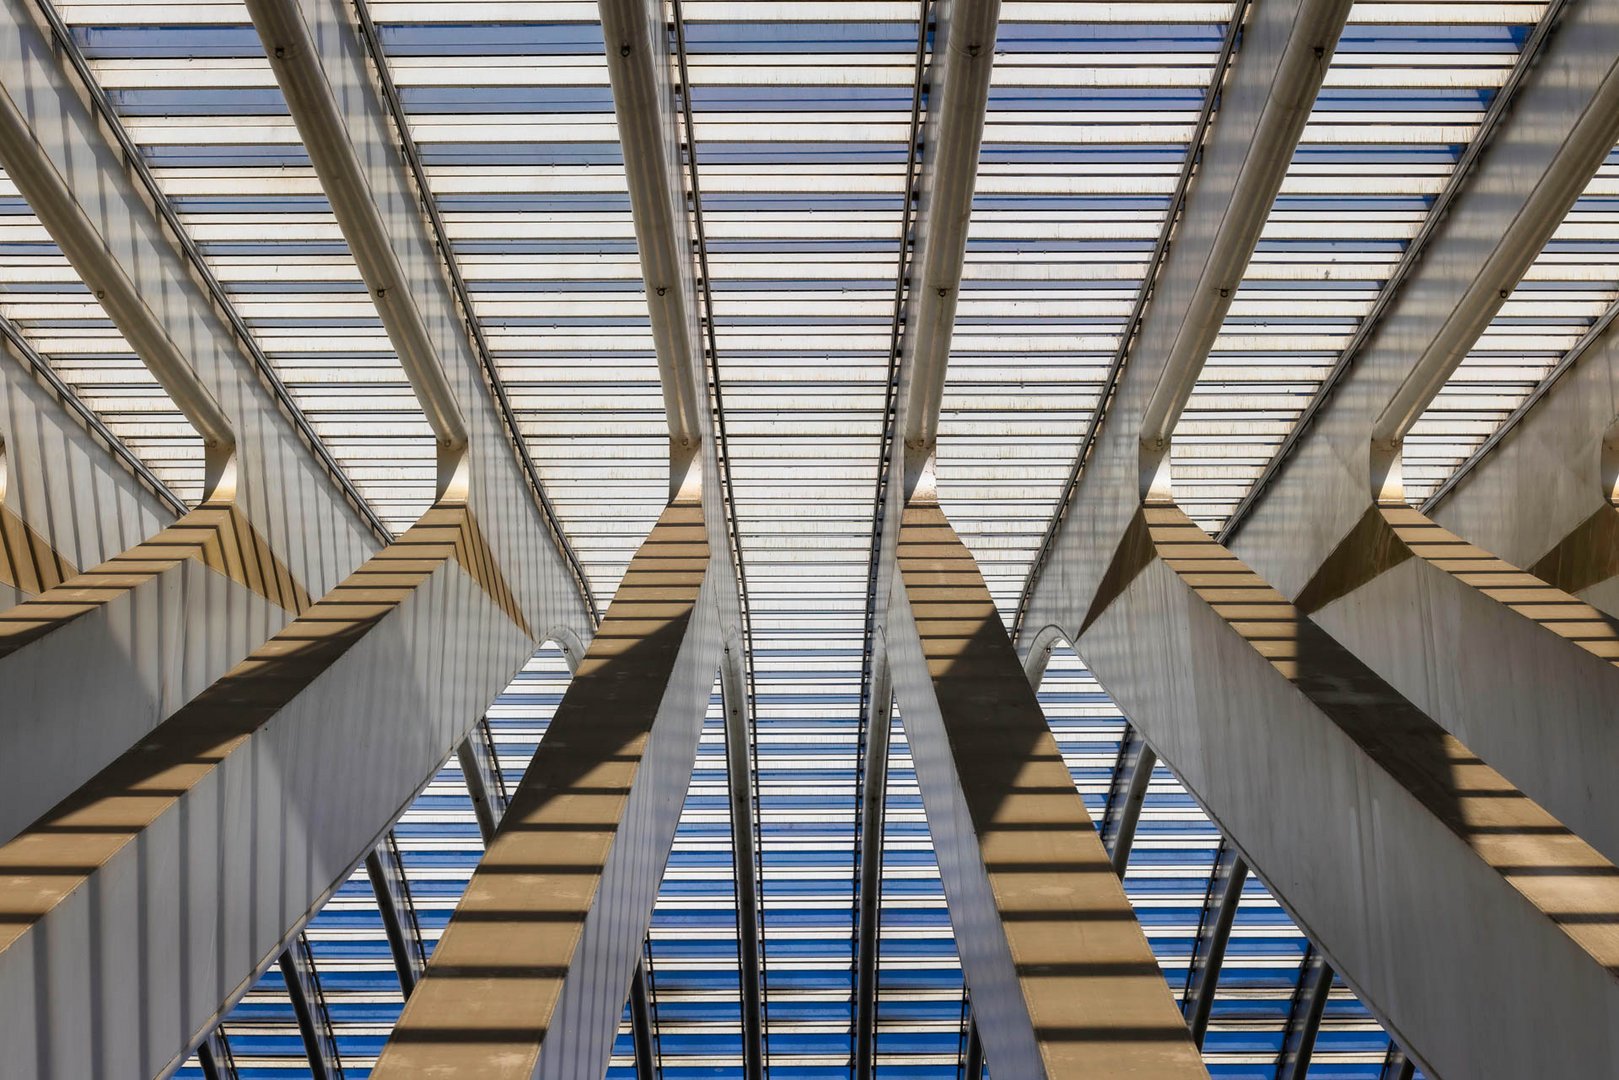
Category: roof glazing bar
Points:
column 1132, row 775
column 1304, row 1018
column 871, row 745
column 214, row 1055
column 390, row 886
column 309, row 1006
column 1213, row 934
column 738, row 685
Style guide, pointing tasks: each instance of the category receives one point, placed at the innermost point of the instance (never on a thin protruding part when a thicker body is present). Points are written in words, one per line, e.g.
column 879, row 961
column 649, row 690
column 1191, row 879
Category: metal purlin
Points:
column 63, row 37
column 1155, row 262
column 867, row 907
column 1500, row 105
column 463, row 299
column 732, row 528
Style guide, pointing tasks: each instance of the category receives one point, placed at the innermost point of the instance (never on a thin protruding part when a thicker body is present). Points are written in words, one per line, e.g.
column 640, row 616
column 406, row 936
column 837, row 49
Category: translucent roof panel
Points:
column 195, row 92
column 42, row 297
column 802, row 123
column 1573, row 281
column 512, row 113
column 1091, row 107
column 1403, row 96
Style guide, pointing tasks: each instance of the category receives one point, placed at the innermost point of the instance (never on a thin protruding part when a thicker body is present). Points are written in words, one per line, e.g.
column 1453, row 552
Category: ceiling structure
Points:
column 802, row 128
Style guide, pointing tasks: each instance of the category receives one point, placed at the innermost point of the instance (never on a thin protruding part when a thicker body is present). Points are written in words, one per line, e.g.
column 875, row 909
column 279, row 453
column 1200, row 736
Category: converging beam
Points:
column 302, row 981
column 1062, row 980
column 390, row 886
column 1416, row 602
column 531, row 975
column 161, row 620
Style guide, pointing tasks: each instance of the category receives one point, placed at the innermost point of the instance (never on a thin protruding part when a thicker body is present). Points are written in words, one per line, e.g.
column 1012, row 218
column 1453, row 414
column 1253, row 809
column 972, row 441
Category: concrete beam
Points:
column 1392, row 844
column 531, row 975
column 139, row 908
column 1266, row 99
column 1061, row 977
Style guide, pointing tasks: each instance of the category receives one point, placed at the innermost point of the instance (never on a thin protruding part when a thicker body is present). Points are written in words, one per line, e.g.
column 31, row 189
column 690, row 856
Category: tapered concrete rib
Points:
column 959, row 80
column 1392, row 844
column 531, row 975
column 1555, row 473
column 1213, row 935
column 1265, row 101
column 192, row 856
column 1062, row 980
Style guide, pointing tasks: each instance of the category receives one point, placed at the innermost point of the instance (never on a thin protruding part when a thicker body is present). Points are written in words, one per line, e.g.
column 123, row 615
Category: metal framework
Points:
column 497, row 219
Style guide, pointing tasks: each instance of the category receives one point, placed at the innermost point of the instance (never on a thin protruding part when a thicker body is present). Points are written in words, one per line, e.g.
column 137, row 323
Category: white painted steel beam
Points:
column 322, row 67
column 1395, row 847
column 640, row 64
column 964, row 57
